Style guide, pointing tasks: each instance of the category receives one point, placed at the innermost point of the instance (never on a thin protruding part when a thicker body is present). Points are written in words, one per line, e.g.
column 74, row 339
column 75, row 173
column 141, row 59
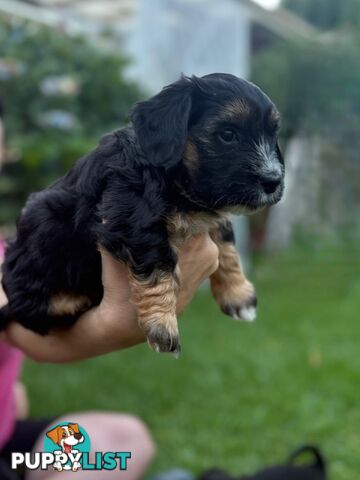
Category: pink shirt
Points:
column 10, row 364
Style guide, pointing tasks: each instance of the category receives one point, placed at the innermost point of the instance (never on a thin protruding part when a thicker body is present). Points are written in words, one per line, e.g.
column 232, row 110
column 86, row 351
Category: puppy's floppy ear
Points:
column 161, row 123
column 75, row 427
column 279, row 154
column 55, row 435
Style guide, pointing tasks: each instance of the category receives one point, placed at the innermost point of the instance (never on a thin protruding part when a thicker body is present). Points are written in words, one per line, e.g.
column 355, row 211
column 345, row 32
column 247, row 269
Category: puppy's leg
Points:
column 231, row 289
column 140, row 238
column 155, row 298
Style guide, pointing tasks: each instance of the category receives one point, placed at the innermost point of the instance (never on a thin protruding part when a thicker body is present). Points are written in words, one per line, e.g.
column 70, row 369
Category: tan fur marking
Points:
column 183, row 226
column 155, row 300
column 236, row 109
column 55, row 434
column 68, row 304
column 229, row 284
column 191, row 159
column 274, row 117
column 74, row 426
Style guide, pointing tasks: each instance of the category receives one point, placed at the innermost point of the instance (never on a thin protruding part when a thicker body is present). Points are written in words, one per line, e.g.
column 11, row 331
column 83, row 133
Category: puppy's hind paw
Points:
column 244, row 311
column 163, row 339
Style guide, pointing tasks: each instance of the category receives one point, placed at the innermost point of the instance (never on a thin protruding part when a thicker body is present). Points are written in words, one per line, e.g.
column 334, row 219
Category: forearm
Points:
column 113, row 324
column 96, row 333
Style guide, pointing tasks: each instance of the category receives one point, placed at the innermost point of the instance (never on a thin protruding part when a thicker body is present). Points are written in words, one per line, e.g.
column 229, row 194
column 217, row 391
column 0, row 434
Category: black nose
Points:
column 270, row 183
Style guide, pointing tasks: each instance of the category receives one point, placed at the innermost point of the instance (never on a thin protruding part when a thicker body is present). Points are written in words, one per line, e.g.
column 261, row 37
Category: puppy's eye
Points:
column 228, row 135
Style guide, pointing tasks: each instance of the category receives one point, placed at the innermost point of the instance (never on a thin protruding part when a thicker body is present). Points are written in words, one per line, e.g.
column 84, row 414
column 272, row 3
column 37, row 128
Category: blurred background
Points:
column 241, row 395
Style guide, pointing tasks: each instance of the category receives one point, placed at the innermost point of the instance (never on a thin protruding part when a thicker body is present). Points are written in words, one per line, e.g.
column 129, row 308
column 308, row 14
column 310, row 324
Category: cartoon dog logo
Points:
column 66, row 436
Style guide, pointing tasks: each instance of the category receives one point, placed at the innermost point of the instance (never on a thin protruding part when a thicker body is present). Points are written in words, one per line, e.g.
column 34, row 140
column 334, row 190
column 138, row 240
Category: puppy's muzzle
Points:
column 271, row 181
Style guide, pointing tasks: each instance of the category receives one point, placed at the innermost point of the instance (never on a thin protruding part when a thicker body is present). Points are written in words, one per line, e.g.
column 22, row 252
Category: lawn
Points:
column 242, row 395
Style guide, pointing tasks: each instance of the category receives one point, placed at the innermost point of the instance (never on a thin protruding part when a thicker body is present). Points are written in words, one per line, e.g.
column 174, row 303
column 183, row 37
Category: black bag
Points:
column 316, row 470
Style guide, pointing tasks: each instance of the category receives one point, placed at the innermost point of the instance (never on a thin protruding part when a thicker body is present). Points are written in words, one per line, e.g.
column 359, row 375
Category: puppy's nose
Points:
column 270, row 182
column 77, row 436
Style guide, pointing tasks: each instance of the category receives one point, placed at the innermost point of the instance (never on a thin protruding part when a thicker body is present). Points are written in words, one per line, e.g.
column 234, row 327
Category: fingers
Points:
column 202, row 252
column 210, row 252
column 200, row 249
column 115, row 279
column 198, row 259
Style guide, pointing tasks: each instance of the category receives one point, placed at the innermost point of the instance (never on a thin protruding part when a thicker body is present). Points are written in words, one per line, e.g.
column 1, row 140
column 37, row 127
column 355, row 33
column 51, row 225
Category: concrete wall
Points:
column 170, row 37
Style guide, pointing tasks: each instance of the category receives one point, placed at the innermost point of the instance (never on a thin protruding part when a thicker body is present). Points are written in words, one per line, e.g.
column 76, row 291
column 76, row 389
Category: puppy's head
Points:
column 66, row 436
column 220, row 134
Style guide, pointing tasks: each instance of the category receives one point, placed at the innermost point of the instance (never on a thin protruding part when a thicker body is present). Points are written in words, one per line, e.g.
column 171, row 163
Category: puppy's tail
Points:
column 5, row 317
column 319, row 462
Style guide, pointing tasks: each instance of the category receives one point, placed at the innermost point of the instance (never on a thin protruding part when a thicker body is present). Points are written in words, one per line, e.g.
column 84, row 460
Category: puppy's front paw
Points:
column 163, row 336
column 58, row 466
column 239, row 301
column 76, row 466
column 245, row 311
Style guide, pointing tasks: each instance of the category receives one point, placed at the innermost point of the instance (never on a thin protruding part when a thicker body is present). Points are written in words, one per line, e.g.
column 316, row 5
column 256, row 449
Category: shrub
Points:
column 60, row 94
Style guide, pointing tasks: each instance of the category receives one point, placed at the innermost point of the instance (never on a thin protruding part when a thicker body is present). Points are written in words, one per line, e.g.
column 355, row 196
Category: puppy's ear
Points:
column 54, row 435
column 75, row 427
column 279, row 154
column 161, row 123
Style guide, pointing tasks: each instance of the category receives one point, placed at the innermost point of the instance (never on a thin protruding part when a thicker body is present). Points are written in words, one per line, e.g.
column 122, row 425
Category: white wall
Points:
column 170, row 37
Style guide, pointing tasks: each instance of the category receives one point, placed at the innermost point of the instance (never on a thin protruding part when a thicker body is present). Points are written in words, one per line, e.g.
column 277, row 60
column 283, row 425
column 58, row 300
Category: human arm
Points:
column 113, row 324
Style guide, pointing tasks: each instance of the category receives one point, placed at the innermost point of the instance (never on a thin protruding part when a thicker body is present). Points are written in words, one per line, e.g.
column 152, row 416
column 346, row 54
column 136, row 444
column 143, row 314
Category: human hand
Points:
column 113, row 324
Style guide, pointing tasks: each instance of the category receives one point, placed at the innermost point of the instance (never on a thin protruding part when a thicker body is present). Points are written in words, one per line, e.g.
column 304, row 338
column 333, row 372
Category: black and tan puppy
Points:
column 201, row 149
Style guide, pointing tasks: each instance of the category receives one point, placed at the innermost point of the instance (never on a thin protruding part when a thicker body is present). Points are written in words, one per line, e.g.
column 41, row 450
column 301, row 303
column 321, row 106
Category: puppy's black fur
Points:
column 316, row 470
column 201, row 147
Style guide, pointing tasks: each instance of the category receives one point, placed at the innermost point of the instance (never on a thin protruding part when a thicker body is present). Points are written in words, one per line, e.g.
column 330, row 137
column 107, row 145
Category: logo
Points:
column 67, row 447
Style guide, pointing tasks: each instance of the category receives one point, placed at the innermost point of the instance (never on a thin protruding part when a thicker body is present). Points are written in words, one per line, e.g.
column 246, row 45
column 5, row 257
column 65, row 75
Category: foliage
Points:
column 314, row 84
column 60, row 94
column 241, row 396
column 327, row 14
column 44, row 157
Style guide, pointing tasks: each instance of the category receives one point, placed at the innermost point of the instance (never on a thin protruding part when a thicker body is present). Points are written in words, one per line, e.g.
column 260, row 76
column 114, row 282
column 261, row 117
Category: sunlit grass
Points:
column 241, row 396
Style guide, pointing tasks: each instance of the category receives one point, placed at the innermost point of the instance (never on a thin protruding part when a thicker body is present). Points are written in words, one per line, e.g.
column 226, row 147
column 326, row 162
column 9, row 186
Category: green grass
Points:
column 241, row 396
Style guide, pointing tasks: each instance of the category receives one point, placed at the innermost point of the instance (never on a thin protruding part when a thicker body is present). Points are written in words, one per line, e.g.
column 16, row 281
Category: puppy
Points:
column 201, row 149
column 316, row 470
column 67, row 437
